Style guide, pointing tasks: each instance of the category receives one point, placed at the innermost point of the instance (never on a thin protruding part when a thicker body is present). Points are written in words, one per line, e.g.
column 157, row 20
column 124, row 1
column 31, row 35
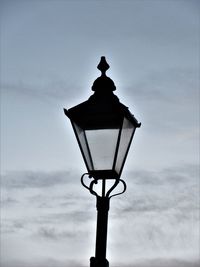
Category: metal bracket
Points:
column 95, row 181
column 113, row 187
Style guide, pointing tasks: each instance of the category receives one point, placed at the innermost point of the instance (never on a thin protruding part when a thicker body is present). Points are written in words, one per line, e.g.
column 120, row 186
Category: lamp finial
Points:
column 103, row 66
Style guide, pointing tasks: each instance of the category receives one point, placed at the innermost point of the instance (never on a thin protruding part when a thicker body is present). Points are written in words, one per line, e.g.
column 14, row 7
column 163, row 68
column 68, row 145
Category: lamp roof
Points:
column 103, row 108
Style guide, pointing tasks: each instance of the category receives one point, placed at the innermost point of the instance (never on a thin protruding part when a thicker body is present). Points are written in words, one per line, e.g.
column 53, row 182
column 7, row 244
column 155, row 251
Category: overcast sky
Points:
column 49, row 53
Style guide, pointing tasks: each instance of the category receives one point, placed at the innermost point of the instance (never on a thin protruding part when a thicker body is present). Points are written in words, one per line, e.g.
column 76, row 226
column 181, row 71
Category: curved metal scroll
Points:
column 90, row 188
column 124, row 184
column 93, row 182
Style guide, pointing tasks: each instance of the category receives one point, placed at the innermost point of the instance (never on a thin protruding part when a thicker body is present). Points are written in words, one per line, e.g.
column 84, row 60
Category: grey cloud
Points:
column 8, row 201
column 66, row 201
column 11, row 226
column 169, row 101
column 187, row 173
column 71, row 216
column 52, row 91
column 53, row 234
column 56, row 234
column 164, row 263
column 158, row 209
column 82, row 216
column 159, row 217
column 42, row 263
column 167, row 85
column 30, row 179
column 147, row 263
column 175, row 189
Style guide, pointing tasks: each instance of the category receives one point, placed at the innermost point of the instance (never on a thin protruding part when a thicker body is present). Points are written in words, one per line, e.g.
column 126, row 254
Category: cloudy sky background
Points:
column 49, row 53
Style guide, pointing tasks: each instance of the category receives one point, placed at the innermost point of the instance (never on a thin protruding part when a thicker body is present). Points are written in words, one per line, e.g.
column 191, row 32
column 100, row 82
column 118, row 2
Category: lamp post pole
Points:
column 104, row 129
column 101, row 233
column 102, row 204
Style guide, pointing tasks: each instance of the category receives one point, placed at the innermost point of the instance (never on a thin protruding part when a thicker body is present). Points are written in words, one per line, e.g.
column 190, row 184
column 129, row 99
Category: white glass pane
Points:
column 83, row 143
column 102, row 145
column 127, row 131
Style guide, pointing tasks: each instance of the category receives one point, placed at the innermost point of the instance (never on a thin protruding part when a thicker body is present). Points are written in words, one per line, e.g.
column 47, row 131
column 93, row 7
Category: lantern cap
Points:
column 103, row 83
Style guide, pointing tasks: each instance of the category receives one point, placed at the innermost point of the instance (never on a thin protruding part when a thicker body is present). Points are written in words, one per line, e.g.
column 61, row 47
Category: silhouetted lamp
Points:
column 104, row 129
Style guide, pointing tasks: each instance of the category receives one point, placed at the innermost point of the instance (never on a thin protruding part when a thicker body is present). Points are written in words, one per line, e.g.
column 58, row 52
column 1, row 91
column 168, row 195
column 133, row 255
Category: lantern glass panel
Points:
column 102, row 145
column 105, row 150
column 80, row 134
column 127, row 132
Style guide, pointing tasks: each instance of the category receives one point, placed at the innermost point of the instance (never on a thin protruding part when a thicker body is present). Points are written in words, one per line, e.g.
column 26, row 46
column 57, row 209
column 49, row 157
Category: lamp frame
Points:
column 102, row 111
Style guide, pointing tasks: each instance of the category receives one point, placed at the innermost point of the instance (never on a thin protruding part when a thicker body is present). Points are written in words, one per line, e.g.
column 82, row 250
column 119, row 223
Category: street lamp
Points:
column 104, row 129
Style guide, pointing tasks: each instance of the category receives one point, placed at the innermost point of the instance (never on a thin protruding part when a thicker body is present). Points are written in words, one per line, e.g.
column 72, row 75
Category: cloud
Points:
column 51, row 91
column 45, row 263
column 163, row 263
column 8, row 201
column 172, row 92
column 53, row 234
column 148, row 263
column 169, row 188
column 31, row 179
column 158, row 214
column 172, row 84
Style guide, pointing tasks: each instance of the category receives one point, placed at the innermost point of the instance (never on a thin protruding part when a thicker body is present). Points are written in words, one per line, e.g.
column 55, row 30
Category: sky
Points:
column 49, row 52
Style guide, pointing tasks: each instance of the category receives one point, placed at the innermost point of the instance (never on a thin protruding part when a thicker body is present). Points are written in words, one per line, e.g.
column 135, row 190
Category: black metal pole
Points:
column 101, row 233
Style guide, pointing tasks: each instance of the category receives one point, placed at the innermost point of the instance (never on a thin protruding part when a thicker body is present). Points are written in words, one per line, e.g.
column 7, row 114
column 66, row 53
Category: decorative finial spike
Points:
column 103, row 66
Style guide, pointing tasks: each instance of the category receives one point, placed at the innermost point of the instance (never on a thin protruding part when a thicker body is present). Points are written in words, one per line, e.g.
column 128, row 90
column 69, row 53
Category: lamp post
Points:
column 104, row 129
